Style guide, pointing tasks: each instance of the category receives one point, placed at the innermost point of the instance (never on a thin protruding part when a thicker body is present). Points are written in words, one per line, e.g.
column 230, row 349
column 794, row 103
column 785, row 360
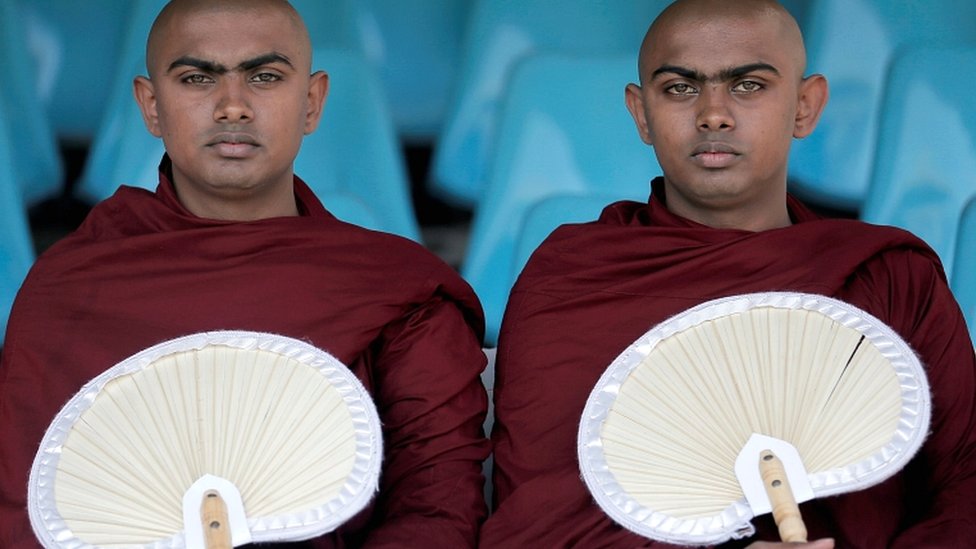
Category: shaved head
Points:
column 231, row 95
column 692, row 15
column 177, row 12
column 721, row 99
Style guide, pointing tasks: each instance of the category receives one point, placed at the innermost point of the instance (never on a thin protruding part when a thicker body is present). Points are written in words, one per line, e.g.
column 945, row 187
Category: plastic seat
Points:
column 554, row 139
column 123, row 151
column 34, row 155
column 499, row 34
column 16, row 246
column 545, row 215
column 851, row 42
column 415, row 47
column 77, row 44
column 964, row 266
column 355, row 148
column 925, row 166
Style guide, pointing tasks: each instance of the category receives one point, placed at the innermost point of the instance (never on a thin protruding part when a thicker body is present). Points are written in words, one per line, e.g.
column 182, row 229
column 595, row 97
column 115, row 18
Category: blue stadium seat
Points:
column 16, row 247
column 122, row 151
column 499, row 34
column 545, row 215
column 416, row 46
column 964, row 266
column 355, row 148
column 34, row 155
column 925, row 165
column 77, row 46
column 554, row 138
column 851, row 42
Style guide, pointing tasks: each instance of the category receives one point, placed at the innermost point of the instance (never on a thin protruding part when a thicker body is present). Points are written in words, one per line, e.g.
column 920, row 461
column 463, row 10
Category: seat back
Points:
column 851, row 42
column 553, row 139
column 34, row 155
column 355, row 147
column 416, row 48
column 925, row 165
column 76, row 47
column 964, row 266
column 499, row 34
column 16, row 246
column 545, row 215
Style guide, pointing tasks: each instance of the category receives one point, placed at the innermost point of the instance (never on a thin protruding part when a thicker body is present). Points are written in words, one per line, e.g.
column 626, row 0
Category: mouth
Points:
column 714, row 155
column 233, row 145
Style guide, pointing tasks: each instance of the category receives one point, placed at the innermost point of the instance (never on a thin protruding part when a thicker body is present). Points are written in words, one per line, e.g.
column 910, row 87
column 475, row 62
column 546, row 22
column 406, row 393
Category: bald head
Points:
column 178, row 12
column 690, row 18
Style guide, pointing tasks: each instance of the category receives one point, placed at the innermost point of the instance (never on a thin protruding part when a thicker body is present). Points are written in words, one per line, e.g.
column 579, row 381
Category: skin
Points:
column 721, row 98
column 230, row 93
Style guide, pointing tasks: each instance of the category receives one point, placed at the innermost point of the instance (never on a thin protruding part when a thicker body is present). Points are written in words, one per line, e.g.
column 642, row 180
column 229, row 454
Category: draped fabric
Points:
column 592, row 289
column 141, row 269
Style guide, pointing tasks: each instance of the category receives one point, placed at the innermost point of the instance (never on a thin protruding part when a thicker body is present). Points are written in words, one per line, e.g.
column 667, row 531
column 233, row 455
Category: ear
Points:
column 145, row 93
column 318, row 89
column 811, row 101
column 635, row 104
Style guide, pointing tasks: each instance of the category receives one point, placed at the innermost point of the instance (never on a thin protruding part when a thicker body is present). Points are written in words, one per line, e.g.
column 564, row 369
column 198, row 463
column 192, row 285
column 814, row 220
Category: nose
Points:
column 233, row 106
column 714, row 114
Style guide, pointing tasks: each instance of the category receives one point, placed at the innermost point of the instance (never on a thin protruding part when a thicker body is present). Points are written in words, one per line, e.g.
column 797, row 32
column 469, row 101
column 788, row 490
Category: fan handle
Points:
column 216, row 523
column 786, row 512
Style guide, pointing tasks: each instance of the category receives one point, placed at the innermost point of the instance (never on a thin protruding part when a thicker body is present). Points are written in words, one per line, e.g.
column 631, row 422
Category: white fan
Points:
column 247, row 436
column 671, row 435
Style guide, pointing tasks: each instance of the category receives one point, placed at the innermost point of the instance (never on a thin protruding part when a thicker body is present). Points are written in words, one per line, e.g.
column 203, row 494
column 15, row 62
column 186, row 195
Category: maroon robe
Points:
column 142, row 269
column 590, row 290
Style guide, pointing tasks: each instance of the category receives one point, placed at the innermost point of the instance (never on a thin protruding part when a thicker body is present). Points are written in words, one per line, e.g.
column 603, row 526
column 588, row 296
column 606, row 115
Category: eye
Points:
column 747, row 86
column 681, row 88
column 265, row 77
column 196, row 78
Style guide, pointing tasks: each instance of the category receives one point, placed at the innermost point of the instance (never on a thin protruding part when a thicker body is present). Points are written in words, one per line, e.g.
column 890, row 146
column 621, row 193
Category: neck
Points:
column 239, row 206
column 758, row 212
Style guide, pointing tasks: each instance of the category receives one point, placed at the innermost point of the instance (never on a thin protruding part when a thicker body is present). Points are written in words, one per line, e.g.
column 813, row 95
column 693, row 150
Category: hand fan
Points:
column 673, row 435
column 248, row 436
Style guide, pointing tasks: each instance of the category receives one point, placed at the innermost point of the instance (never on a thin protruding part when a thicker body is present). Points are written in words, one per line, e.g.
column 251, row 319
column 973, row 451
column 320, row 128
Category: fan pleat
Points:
column 274, row 427
column 684, row 412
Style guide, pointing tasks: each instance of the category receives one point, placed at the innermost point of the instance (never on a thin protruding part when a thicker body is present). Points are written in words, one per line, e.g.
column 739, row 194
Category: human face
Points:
column 231, row 97
column 720, row 103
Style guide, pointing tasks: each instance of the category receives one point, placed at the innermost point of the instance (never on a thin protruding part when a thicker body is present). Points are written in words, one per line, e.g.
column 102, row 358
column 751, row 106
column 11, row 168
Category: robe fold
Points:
column 591, row 289
column 141, row 270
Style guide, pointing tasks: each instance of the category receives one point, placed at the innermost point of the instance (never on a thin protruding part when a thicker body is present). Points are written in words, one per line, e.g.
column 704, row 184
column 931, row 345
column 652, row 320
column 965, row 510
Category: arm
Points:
column 23, row 411
column 432, row 404
column 542, row 381
column 919, row 306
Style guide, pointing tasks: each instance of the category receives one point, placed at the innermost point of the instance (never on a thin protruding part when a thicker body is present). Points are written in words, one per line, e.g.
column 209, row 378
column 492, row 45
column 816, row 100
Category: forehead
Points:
column 231, row 35
column 711, row 44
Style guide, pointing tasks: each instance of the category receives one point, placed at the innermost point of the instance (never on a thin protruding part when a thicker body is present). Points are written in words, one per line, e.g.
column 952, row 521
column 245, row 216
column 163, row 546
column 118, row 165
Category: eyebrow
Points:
column 218, row 68
column 723, row 75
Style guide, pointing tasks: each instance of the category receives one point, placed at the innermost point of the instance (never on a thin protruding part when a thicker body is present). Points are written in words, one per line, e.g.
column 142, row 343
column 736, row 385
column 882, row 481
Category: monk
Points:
column 721, row 97
column 232, row 240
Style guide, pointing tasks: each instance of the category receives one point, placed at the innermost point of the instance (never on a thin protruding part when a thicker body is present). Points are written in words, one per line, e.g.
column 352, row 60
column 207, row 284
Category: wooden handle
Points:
column 216, row 525
column 786, row 512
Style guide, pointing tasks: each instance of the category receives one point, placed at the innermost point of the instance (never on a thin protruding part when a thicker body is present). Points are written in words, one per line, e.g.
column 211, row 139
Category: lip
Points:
column 233, row 145
column 714, row 155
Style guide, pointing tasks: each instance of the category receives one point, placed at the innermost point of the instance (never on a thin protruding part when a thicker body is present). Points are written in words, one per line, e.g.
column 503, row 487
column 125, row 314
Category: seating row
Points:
column 554, row 123
column 550, row 151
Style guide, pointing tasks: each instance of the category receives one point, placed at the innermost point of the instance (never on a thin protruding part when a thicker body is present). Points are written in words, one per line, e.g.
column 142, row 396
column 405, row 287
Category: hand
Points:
column 825, row 543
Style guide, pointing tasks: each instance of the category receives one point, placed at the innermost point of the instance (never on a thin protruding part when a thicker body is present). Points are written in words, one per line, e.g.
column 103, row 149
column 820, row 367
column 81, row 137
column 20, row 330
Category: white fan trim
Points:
column 734, row 521
column 359, row 489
